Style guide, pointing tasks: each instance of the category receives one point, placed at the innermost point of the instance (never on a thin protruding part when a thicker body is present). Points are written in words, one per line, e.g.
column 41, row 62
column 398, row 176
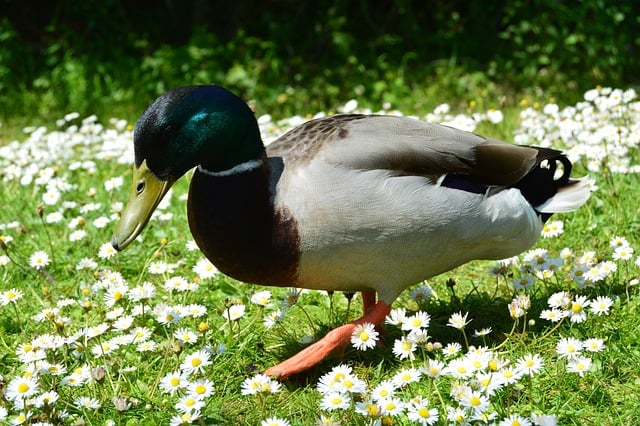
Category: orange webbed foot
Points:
column 338, row 338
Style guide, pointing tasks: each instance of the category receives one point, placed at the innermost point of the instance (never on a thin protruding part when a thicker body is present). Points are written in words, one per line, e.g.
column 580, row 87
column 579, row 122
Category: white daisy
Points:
column 364, row 336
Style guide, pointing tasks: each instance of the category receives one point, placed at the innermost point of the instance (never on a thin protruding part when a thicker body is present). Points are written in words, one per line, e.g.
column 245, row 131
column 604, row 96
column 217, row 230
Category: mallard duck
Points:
column 354, row 203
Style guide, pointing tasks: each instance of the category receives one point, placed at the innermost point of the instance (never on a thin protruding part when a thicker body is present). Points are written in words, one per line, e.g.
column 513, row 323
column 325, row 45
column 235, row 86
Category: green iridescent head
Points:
column 189, row 126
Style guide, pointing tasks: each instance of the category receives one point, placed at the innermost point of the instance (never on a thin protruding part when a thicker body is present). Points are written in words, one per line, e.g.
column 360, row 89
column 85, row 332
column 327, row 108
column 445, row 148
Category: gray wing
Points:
column 405, row 146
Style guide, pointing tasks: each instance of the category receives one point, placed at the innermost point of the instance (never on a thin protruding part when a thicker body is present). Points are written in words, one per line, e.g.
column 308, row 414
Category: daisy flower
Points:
column 416, row 321
column 173, row 381
column 234, row 312
column 21, row 388
column 577, row 313
column 421, row 293
column 594, row 345
column 325, row 420
column 482, row 332
column 184, row 418
column 617, row 242
column 385, row 389
column 459, row 321
column 434, row 368
column 104, row 348
column 114, row 294
column 335, row 401
column 275, row 421
column 330, row 381
column 261, row 298
column 113, row 183
column 579, row 364
column 569, row 347
column 272, row 318
column 205, row 269
column 530, row 364
column 552, row 229
column 195, row 310
column 623, row 253
column 158, row 268
column 553, row 314
column 460, row 368
column 86, row 402
column 106, row 251
column 476, row 401
column 96, row 330
column 523, row 282
column 515, row 420
column 351, row 384
column 260, row 383
column 189, row 403
column 457, row 415
column 176, row 283
column 39, row 259
column 144, row 291
column 364, row 336
column 48, row 398
column 368, row 408
column 452, row 349
column 601, row 305
column 168, row 315
column 77, row 235
column 391, row 406
column 185, row 335
column 147, row 346
column 418, row 411
column 201, row 389
column 405, row 376
column 560, row 300
column 195, row 362
column 396, row 317
column 403, row 348
column 10, row 296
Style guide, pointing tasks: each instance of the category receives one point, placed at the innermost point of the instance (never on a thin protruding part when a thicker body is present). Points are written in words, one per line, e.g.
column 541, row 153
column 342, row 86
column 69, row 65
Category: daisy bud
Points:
column 40, row 210
column 203, row 327
column 121, row 403
column 98, row 373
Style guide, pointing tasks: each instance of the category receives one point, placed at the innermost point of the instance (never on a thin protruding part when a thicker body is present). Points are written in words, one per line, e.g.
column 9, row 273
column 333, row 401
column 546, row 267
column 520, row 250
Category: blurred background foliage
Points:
column 114, row 56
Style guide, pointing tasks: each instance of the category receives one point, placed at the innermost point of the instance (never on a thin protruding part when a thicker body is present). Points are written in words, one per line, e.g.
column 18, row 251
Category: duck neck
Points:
column 235, row 224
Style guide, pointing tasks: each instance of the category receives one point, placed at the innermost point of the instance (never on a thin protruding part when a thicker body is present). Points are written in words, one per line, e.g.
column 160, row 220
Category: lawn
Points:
column 155, row 335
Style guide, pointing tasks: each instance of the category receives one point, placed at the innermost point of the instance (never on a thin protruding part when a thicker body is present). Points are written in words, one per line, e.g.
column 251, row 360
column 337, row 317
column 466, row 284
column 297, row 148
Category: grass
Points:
column 61, row 199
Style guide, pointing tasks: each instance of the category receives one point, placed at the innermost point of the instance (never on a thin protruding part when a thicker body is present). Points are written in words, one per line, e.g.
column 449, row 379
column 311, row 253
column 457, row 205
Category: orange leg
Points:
column 337, row 338
column 368, row 300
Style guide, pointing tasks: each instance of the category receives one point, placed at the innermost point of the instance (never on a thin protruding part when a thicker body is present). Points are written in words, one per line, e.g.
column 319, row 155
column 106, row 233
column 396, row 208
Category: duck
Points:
column 347, row 202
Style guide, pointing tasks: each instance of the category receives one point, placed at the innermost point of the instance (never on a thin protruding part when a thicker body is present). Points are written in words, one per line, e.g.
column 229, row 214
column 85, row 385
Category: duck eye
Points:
column 140, row 187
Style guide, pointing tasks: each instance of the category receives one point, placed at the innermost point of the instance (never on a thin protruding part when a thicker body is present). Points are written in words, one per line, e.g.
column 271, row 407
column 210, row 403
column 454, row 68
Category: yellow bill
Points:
column 147, row 190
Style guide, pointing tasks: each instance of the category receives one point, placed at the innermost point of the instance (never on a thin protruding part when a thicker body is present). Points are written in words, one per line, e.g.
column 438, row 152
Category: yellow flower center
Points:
column 175, row 382
column 423, row 412
column 372, row 409
column 364, row 336
column 576, row 307
column 200, row 389
column 23, row 387
column 474, row 400
column 196, row 362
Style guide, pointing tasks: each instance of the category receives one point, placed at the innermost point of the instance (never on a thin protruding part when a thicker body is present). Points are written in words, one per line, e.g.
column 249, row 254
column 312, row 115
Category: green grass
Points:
column 604, row 395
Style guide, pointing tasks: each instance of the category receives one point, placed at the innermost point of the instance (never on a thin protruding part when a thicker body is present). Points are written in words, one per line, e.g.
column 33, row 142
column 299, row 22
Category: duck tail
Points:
column 549, row 188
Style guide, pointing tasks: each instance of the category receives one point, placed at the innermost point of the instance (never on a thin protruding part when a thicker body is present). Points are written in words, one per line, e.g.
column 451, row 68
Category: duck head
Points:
column 186, row 127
